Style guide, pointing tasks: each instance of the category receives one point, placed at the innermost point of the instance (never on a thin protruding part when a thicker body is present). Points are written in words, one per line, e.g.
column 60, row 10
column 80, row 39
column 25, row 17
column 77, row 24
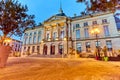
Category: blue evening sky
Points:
column 44, row 9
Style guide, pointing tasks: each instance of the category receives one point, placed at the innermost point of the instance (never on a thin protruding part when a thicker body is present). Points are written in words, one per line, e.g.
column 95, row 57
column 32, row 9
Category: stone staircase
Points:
column 45, row 56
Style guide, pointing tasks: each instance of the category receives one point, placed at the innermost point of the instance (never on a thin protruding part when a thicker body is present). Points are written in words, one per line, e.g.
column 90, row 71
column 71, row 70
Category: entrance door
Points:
column 78, row 46
column 87, row 46
column 38, row 49
column 61, row 49
column 52, row 50
column 45, row 49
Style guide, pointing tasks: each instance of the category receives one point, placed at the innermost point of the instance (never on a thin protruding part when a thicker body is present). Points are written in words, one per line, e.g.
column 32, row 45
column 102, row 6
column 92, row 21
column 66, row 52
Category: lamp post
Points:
column 96, row 31
column 67, row 36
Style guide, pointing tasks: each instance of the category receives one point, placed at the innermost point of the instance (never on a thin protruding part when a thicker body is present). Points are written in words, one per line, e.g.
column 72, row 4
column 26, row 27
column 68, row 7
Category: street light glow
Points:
column 65, row 39
column 7, row 40
column 95, row 31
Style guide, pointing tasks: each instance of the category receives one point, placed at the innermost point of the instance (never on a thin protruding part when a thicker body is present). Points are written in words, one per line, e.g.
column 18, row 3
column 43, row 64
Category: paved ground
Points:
column 31, row 68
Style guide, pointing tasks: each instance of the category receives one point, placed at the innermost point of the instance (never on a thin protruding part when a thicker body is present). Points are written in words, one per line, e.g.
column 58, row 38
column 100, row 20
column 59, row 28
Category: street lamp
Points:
column 96, row 31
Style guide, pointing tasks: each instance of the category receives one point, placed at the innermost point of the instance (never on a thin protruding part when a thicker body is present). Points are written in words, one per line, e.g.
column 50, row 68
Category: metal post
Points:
column 67, row 35
column 98, row 46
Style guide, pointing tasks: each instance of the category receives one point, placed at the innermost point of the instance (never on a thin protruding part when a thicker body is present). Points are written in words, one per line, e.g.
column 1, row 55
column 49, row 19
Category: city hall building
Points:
column 59, row 33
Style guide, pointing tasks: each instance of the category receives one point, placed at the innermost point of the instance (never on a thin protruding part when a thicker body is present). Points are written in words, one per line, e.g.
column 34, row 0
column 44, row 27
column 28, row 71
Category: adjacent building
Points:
column 16, row 46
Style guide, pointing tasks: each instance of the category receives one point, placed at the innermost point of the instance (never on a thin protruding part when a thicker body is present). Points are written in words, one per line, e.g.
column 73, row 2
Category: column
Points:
column 69, row 30
column 65, row 30
column 41, row 48
column 51, row 33
column 56, row 49
column 44, row 33
column 58, row 32
column 22, row 52
column 93, row 45
column 35, row 51
column 48, row 49
column 37, row 37
column 83, row 46
column 65, row 47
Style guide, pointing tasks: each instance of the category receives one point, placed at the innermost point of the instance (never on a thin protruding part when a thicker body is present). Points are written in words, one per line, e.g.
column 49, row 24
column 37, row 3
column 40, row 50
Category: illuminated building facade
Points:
column 59, row 33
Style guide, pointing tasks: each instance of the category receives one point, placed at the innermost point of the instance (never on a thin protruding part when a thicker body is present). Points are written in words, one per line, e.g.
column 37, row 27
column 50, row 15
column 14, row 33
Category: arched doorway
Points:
column 52, row 49
column 60, row 48
column 45, row 49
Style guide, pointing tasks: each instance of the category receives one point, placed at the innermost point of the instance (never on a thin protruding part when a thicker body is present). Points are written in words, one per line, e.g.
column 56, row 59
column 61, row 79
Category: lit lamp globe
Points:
column 7, row 40
column 65, row 39
column 42, row 41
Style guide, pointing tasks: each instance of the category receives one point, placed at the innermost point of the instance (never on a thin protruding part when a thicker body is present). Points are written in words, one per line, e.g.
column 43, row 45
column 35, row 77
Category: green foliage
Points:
column 14, row 18
column 99, row 5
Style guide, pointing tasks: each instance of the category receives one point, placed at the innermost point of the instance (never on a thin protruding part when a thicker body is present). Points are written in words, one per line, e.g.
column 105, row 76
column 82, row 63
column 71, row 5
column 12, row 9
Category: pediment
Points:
column 54, row 18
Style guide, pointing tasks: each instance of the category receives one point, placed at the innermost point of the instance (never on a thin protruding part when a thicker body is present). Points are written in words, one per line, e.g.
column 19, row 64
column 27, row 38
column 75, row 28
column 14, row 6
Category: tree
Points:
column 100, row 5
column 14, row 19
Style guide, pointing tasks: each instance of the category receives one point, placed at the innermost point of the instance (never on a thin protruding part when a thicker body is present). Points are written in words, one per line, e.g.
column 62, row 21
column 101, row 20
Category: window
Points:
column 109, row 45
column 78, row 46
column 30, row 40
column 94, row 22
column 106, row 30
column 97, row 43
column 47, row 36
column 34, row 40
column 34, row 33
column 86, row 32
column 62, row 35
column 77, row 34
column 39, row 33
column 77, row 26
column 104, row 21
column 85, row 24
column 26, row 35
column 54, row 35
column 39, row 36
